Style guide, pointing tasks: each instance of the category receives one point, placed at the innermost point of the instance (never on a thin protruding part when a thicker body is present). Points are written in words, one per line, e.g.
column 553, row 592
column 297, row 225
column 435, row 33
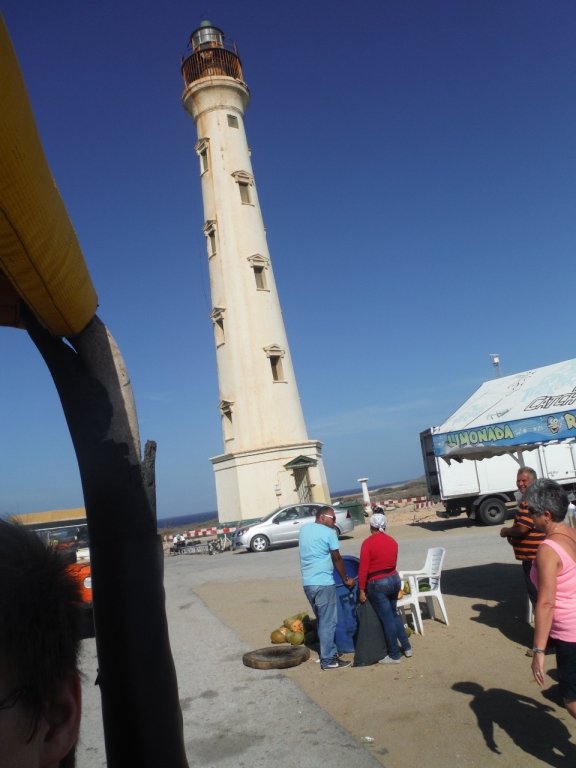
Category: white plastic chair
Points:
column 431, row 571
column 412, row 601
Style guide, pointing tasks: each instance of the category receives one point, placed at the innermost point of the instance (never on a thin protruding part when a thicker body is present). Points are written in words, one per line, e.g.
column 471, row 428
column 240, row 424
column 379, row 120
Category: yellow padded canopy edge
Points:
column 39, row 251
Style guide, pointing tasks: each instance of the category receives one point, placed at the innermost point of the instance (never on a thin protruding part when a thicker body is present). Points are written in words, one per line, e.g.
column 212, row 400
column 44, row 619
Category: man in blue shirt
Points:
column 319, row 555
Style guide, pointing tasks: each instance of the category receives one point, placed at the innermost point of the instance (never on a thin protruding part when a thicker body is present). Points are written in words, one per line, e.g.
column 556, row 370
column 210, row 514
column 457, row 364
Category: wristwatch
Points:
column 537, row 650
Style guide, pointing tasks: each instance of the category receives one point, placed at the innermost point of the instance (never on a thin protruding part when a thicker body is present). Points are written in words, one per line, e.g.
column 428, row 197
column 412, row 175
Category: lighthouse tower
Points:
column 268, row 460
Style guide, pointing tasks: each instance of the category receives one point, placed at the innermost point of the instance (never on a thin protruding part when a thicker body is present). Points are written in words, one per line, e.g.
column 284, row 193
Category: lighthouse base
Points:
column 250, row 484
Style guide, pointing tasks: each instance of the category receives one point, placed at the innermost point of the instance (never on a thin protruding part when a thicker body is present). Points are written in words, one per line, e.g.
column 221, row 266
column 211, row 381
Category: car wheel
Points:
column 492, row 512
column 338, row 531
column 277, row 657
column 259, row 543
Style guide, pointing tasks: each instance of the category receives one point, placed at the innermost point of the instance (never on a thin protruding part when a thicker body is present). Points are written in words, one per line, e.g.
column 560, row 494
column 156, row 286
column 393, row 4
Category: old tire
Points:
column 259, row 543
column 276, row 657
column 492, row 512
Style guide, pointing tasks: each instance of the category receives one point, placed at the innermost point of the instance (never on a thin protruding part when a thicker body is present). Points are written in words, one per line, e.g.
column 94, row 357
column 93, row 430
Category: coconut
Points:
column 296, row 638
column 277, row 636
column 298, row 617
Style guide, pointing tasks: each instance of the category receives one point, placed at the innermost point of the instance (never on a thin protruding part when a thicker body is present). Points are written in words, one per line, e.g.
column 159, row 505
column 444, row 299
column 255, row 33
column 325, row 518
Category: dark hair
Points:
column 323, row 510
column 547, row 496
column 527, row 471
column 40, row 619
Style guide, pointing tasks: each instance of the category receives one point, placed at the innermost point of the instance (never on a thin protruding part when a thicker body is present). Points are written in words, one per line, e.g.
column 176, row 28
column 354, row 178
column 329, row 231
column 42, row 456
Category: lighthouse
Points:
column 267, row 460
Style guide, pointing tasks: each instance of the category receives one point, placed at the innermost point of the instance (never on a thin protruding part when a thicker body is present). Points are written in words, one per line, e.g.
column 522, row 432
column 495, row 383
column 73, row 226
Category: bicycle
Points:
column 207, row 548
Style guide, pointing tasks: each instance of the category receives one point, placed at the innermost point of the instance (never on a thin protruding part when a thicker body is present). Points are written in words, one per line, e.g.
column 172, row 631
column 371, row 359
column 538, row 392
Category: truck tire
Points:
column 277, row 657
column 492, row 512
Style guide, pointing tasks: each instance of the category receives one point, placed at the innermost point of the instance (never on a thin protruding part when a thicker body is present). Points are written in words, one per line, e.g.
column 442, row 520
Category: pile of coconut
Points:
column 297, row 630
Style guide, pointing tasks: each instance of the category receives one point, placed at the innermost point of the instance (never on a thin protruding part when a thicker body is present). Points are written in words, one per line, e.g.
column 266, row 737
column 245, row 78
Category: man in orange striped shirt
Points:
column 523, row 535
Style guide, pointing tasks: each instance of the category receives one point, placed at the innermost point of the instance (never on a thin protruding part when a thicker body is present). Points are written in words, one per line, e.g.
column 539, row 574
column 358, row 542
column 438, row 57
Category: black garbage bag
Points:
column 370, row 640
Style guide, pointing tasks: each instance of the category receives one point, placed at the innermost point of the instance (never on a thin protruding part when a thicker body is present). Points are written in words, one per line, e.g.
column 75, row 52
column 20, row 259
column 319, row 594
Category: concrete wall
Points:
column 253, row 483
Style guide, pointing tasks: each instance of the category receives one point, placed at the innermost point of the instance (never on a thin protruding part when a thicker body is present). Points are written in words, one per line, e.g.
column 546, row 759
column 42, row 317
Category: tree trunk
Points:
column 137, row 677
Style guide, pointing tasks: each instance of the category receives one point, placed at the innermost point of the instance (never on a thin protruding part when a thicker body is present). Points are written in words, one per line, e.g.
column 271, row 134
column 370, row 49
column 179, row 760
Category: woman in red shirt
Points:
column 379, row 582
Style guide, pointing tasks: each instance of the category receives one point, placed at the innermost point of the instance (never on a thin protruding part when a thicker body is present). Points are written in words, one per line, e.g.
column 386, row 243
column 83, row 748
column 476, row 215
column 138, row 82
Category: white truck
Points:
column 527, row 419
column 486, row 490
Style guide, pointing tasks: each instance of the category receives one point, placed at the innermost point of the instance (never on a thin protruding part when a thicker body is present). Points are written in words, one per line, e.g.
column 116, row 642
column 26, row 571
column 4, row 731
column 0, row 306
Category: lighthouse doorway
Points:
column 302, row 485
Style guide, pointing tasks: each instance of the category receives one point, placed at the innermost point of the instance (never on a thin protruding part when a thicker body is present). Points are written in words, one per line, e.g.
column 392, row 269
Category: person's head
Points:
column 378, row 523
column 547, row 501
column 40, row 632
column 326, row 516
column 526, row 475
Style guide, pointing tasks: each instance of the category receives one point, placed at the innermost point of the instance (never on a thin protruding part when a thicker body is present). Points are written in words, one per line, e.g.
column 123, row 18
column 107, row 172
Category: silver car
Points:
column 284, row 524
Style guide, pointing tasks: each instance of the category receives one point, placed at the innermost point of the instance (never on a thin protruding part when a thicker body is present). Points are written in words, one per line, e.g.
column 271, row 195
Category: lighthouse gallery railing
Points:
column 212, row 62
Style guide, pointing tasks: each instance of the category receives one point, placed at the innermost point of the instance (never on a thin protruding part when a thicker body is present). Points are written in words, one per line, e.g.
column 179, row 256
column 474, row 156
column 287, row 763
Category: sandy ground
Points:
column 465, row 697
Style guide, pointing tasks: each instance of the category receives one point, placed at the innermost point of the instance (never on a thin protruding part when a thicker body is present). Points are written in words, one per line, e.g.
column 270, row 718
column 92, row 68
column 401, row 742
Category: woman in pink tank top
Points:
column 554, row 573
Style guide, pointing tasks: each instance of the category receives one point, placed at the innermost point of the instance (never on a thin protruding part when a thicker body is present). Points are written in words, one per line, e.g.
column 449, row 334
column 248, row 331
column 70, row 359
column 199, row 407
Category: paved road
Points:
column 235, row 716
column 465, row 545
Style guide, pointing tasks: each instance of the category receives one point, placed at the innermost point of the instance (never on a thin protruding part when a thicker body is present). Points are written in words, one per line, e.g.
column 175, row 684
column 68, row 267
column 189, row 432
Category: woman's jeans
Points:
column 383, row 595
column 323, row 602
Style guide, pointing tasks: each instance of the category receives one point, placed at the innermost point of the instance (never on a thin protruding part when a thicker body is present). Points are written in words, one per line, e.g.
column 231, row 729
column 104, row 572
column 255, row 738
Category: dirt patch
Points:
column 406, row 514
column 466, row 696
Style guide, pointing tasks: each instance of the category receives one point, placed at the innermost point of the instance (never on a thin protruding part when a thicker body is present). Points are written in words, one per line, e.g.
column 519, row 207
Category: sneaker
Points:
column 408, row 653
column 338, row 656
column 388, row 660
column 338, row 664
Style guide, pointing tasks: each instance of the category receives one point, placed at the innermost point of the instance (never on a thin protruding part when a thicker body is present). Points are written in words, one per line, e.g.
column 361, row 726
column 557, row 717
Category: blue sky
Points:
column 416, row 167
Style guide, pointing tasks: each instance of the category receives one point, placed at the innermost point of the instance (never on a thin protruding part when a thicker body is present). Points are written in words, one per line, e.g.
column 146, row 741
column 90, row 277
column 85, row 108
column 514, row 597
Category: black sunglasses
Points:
column 10, row 701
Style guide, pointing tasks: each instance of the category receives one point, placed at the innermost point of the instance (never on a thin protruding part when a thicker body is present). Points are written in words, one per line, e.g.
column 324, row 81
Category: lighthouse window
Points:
column 276, row 365
column 201, row 148
column 232, row 121
column 212, row 243
column 227, row 425
column 244, row 193
column 219, row 331
column 260, row 277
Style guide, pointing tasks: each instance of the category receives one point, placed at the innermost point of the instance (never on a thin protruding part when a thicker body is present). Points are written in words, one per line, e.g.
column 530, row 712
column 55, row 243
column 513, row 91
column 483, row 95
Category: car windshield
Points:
column 75, row 537
column 271, row 514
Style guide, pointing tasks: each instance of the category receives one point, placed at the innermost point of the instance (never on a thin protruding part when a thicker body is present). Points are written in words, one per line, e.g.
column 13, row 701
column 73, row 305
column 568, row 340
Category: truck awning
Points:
column 514, row 412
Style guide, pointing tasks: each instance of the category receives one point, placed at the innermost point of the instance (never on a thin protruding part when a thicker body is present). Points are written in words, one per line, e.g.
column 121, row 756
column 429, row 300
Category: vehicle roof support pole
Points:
column 137, row 676
column 542, row 456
